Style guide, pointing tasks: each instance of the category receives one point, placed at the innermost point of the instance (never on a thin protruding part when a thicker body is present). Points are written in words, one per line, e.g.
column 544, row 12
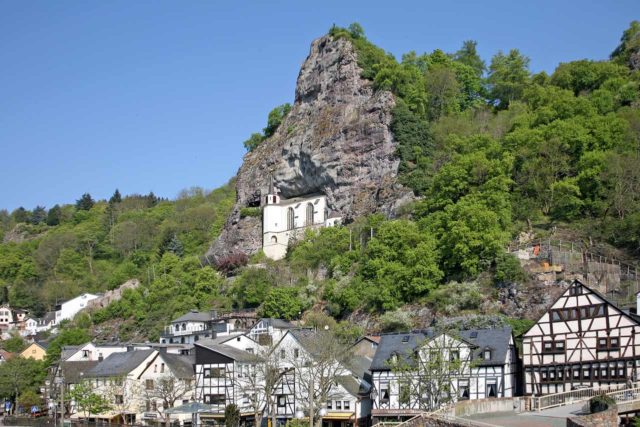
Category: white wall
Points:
column 70, row 308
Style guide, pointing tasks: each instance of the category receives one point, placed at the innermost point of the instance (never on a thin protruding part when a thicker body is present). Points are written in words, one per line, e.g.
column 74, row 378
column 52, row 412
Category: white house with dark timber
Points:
column 284, row 220
column 409, row 369
column 582, row 340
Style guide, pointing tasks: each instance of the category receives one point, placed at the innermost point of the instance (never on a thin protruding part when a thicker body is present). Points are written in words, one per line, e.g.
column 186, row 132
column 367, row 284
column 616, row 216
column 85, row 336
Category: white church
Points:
column 284, row 220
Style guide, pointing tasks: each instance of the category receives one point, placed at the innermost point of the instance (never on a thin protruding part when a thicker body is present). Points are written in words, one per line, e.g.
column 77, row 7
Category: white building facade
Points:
column 284, row 220
column 68, row 309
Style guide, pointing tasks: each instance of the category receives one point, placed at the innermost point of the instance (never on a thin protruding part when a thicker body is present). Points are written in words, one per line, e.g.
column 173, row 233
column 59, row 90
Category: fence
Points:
column 618, row 280
column 574, row 396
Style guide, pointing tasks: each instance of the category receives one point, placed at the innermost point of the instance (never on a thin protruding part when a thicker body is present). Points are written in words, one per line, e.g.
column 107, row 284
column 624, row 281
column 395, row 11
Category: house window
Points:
column 338, row 405
column 309, row 216
column 346, row 405
column 296, row 353
column 282, row 401
column 119, row 399
column 454, row 355
column 609, row 343
column 329, row 404
column 155, row 368
column 214, row 399
column 553, row 347
column 206, row 372
column 282, row 354
column 85, row 353
column 384, row 393
column 161, row 367
column 463, row 389
column 149, row 384
column 290, row 219
column 487, row 354
column 492, row 388
column 218, row 372
column 154, row 405
column 147, row 406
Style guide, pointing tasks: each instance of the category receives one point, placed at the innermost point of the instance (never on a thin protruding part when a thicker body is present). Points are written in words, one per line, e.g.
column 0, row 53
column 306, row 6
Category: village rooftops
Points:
column 195, row 316
column 228, row 351
column 404, row 345
column 180, row 365
column 119, row 364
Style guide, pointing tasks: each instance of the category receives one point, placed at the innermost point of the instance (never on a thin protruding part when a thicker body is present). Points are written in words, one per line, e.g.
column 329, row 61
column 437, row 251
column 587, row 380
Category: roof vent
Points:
column 405, row 338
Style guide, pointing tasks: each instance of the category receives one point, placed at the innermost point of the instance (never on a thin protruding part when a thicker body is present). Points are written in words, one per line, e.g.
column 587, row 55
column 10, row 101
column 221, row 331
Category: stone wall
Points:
column 111, row 296
column 608, row 418
column 483, row 406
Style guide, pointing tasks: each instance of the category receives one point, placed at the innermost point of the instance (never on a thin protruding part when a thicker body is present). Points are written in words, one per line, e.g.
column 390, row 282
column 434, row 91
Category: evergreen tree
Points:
column 116, row 198
column 54, row 216
column 175, row 246
column 85, row 202
column 21, row 215
column 38, row 215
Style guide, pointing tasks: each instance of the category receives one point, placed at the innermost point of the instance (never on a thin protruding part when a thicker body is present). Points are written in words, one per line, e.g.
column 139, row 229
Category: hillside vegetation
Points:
column 490, row 149
column 50, row 255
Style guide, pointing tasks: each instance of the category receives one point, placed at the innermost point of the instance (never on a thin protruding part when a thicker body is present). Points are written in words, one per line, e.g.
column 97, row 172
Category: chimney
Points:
column 162, row 349
column 129, row 348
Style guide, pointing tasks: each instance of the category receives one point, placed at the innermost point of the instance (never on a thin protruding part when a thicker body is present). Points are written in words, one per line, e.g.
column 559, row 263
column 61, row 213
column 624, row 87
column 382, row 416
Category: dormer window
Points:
column 487, row 354
column 394, row 358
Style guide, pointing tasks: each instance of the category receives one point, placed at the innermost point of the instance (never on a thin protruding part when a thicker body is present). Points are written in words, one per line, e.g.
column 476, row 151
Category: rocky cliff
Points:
column 336, row 140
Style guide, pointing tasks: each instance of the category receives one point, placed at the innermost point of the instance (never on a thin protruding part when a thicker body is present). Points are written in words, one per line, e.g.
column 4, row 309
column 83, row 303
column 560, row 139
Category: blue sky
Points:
column 159, row 95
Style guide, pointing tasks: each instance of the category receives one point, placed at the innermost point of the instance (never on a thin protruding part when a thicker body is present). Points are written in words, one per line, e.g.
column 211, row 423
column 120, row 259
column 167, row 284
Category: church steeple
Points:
column 272, row 196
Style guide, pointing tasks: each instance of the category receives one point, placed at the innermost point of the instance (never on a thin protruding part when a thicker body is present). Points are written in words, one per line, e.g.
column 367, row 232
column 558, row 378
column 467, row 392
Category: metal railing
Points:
column 626, row 395
column 574, row 396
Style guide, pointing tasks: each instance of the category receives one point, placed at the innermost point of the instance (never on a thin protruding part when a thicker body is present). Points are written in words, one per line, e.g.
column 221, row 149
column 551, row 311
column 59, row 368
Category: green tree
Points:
column 87, row 401
column 282, row 303
column 276, row 116
column 18, row 375
column 629, row 48
column 20, row 215
column 401, row 265
column 115, row 198
column 252, row 286
column 468, row 55
column 66, row 336
column 54, row 215
column 508, row 77
column 85, row 202
column 28, row 399
column 254, row 140
column 231, row 415
column 14, row 344
column 38, row 215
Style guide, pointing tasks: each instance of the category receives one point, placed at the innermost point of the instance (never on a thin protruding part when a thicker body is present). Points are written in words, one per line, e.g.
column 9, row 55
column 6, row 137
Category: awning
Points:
column 339, row 416
column 104, row 416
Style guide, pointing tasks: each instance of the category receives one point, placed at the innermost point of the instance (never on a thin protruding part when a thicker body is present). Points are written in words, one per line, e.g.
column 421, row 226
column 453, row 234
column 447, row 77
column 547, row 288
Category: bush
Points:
column 254, row 212
column 601, row 403
column 232, row 262
column 508, row 269
column 395, row 321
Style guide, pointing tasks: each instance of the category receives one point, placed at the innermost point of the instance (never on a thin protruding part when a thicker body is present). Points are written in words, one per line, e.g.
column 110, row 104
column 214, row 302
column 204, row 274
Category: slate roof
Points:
column 74, row 372
column 69, row 350
column 405, row 344
column 277, row 323
column 181, row 366
column 194, row 316
column 119, row 364
column 497, row 340
column 354, row 386
column 231, row 352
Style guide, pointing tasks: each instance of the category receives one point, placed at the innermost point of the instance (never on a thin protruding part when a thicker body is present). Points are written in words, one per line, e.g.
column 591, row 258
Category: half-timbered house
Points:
column 419, row 371
column 582, row 340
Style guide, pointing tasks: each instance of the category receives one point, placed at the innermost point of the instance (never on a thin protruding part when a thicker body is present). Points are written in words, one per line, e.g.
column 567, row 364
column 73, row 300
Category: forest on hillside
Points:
column 490, row 148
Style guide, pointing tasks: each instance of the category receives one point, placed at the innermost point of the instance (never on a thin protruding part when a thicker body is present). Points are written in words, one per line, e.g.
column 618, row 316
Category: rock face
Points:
column 336, row 141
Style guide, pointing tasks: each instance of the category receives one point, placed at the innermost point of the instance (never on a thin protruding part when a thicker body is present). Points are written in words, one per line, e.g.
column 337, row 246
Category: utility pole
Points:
column 61, row 394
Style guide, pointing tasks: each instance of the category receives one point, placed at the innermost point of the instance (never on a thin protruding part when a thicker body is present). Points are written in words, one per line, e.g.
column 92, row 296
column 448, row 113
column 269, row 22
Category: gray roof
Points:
column 497, row 340
column 69, row 350
column 231, row 352
column 194, row 316
column 181, row 366
column 353, row 385
column 405, row 344
column 119, row 364
column 277, row 323
column 74, row 372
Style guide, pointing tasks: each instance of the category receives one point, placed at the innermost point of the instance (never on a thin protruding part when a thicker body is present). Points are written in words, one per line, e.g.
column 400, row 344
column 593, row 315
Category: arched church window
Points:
column 309, row 214
column 290, row 219
column 274, row 239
